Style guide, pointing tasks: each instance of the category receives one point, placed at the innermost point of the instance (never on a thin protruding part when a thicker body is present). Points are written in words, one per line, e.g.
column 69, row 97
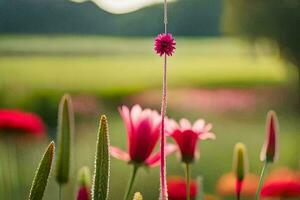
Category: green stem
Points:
column 131, row 182
column 187, row 175
column 60, row 192
column 261, row 180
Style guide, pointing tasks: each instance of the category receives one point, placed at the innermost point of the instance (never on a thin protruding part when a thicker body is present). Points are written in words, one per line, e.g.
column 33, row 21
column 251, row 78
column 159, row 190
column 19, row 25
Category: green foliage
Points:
column 100, row 187
column 138, row 196
column 64, row 133
column 41, row 177
column 273, row 19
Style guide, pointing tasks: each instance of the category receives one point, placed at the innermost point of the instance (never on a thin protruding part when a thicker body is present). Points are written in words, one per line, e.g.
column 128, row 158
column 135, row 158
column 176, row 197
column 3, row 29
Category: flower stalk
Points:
column 188, row 175
column 131, row 182
column 163, row 176
column 261, row 179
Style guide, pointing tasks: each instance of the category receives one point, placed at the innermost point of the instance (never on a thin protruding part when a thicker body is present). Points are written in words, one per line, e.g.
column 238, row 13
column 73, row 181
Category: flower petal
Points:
column 185, row 124
column 119, row 154
column 154, row 160
column 207, row 136
column 171, row 127
column 136, row 110
column 198, row 125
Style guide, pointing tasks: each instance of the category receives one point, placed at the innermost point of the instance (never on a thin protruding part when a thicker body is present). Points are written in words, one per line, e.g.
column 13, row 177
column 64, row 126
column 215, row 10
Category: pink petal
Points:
column 125, row 114
column 185, row 124
column 207, row 136
column 136, row 110
column 154, row 160
column 198, row 125
column 171, row 126
column 208, row 127
column 119, row 154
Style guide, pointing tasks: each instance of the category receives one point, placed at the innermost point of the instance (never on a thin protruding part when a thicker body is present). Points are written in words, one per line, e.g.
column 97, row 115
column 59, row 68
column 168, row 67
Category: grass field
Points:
column 109, row 67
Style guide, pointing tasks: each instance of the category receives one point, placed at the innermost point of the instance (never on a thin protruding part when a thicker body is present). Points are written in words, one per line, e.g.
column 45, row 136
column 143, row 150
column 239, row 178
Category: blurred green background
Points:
column 48, row 48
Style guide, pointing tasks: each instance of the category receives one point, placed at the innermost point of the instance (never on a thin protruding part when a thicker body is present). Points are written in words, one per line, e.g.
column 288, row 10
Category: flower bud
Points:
column 240, row 161
column 269, row 151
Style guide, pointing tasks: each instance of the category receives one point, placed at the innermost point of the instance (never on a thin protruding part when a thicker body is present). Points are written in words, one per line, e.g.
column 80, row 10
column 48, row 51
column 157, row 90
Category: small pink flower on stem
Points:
column 143, row 133
column 165, row 44
column 187, row 136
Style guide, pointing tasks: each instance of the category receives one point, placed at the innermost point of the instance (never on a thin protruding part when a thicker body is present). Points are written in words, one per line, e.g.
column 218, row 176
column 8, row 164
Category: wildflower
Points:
column 226, row 185
column 187, row 136
column 270, row 151
column 19, row 121
column 281, row 183
column 177, row 188
column 143, row 131
column 165, row 44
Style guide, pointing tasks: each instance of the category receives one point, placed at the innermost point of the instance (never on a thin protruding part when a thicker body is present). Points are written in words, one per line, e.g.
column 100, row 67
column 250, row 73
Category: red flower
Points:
column 270, row 151
column 143, row 131
column 177, row 188
column 226, row 185
column 83, row 193
column 165, row 44
column 282, row 183
column 187, row 136
column 18, row 121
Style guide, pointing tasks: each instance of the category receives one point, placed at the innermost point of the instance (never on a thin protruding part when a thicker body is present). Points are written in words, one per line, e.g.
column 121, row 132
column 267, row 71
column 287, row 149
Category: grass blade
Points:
column 64, row 134
column 41, row 176
column 100, row 186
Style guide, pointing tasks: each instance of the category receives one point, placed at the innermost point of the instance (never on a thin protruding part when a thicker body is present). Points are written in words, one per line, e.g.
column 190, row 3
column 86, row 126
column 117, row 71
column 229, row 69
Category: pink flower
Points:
column 269, row 151
column 187, row 136
column 165, row 44
column 177, row 188
column 143, row 132
column 19, row 121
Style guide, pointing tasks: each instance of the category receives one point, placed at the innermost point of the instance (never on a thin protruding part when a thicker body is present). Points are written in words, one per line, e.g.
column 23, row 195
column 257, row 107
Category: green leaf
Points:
column 138, row 196
column 64, row 133
column 100, row 186
column 41, row 176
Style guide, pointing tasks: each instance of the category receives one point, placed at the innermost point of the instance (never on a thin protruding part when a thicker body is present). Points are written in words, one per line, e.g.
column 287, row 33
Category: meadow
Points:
column 36, row 70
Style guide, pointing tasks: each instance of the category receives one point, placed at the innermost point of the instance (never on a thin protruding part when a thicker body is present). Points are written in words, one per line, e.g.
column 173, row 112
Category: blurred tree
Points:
column 277, row 20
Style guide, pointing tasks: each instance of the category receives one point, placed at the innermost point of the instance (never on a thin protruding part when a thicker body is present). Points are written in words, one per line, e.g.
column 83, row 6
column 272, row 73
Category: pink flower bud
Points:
column 269, row 151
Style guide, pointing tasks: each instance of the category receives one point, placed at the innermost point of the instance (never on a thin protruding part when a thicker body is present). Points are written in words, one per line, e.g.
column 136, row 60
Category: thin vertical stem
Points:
column 131, row 182
column 261, row 179
column 166, row 15
column 59, row 191
column 163, row 184
column 188, row 182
